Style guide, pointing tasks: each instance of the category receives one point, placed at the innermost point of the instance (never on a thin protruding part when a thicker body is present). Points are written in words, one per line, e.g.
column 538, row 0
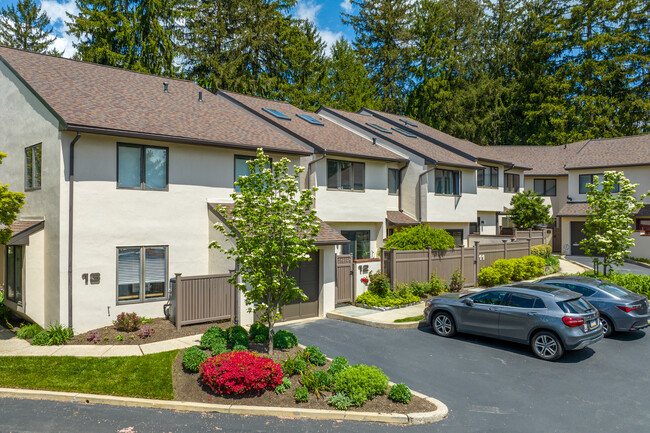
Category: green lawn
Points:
column 409, row 319
column 148, row 376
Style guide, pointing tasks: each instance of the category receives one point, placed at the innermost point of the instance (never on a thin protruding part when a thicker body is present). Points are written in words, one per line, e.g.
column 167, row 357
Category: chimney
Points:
column 374, row 141
column 200, row 96
column 166, row 87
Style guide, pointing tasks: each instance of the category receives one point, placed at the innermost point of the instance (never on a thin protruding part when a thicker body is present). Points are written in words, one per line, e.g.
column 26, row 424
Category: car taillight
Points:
column 626, row 308
column 573, row 322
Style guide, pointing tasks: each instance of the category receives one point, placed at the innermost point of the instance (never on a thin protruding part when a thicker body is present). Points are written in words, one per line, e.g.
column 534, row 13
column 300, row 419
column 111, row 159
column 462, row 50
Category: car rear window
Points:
column 613, row 289
column 575, row 306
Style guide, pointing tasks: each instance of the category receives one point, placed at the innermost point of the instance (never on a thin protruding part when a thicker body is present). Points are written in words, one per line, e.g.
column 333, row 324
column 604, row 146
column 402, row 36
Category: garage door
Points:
column 576, row 237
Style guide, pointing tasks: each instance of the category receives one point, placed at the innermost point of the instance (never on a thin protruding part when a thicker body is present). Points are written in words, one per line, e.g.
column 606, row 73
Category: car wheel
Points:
column 547, row 346
column 443, row 324
column 608, row 326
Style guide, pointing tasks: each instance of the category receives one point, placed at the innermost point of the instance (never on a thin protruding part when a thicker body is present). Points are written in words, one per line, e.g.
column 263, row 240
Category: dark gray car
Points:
column 549, row 319
column 620, row 309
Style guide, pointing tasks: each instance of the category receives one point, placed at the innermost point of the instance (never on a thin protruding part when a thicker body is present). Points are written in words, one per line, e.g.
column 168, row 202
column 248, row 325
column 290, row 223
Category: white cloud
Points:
column 346, row 5
column 58, row 17
column 308, row 10
column 330, row 37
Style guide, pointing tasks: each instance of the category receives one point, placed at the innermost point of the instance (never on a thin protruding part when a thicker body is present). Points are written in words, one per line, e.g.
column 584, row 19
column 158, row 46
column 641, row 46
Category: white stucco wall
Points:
column 561, row 191
column 494, row 199
column 327, row 267
column 640, row 175
column 24, row 122
column 363, row 270
column 444, row 208
column 34, row 283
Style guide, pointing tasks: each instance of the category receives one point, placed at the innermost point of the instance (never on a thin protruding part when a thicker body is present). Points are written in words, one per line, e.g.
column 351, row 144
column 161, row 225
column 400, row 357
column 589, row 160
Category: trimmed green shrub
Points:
column 192, row 358
column 361, row 382
column 239, row 348
column 284, row 386
column 316, row 381
column 339, row 401
column 519, row 271
column 209, row 337
column 534, row 266
column 379, row 283
column 505, row 268
column 437, row 285
column 302, row 395
column 391, row 299
column 400, row 393
column 284, row 339
column 28, row 331
column 417, row 288
column 313, row 355
column 489, row 277
column 259, row 332
column 41, row 339
column 338, row 364
column 457, row 281
column 419, row 238
column 127, row 322
column 237, row 336
column 219, row 346
column 544, row 251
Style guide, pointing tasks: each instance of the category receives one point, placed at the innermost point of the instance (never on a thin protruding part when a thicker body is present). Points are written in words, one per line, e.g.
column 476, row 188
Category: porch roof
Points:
column 580, row 210
column 399, row 218
column 22, row 229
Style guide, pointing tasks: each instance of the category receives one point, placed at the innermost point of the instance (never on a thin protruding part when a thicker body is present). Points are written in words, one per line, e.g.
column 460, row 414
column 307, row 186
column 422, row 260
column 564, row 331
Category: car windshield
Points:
column 575, row 306
column 613, row 289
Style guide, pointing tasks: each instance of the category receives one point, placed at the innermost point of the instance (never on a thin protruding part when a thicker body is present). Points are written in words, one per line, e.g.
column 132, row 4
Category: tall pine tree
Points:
column 24, row 26
column 384, row 42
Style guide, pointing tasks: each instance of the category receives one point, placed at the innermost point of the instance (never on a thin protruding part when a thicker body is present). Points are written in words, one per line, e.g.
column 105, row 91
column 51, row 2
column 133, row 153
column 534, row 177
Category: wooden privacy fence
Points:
column 199, row 299
column 405, row 266
column 537, row 237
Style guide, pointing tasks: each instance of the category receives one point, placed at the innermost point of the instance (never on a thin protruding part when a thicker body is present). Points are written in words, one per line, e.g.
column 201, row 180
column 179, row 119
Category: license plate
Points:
column 648, row 321
column 593, row 324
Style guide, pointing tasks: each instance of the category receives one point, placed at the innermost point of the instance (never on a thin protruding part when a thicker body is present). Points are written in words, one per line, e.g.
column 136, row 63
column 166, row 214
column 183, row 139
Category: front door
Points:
column 576, row 236
column 482, row 317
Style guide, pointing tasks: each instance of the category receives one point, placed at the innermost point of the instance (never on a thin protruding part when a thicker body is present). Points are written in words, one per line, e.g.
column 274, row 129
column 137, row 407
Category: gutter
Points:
column 435, row 165
column 71, row 225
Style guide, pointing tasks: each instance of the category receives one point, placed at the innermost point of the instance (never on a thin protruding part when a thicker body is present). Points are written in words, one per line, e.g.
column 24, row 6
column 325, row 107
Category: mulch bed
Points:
column 188, row 387
column 163, row 330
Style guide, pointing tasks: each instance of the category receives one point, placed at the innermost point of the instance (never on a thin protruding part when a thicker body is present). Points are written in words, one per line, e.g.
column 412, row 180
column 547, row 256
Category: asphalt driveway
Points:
column 493, row 386
column 627, row 268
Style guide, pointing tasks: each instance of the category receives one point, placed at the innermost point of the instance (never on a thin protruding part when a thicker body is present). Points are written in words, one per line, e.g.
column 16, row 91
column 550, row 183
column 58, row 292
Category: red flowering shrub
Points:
column 240, row 373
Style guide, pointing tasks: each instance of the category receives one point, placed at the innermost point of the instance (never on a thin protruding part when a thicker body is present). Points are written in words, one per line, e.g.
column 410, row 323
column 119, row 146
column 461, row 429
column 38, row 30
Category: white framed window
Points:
column 142, row 274
column 142, row 167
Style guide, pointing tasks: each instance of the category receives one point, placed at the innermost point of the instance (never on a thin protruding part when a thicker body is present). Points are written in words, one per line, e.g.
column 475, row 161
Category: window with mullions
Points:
column 487, row 177
column 511, row 182
column 241, row 168
column 14, row 275
column 142, row 167
column 447, row 182
column 545, row 187
column 359, row 245
column 393, row 181
column 585, row 179
column 138, row 268
column 346, row 175
column 33, row 167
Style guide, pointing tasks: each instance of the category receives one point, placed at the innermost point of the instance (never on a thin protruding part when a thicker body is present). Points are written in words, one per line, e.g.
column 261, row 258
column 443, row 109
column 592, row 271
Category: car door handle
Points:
column 532, row 314
column 492, row 309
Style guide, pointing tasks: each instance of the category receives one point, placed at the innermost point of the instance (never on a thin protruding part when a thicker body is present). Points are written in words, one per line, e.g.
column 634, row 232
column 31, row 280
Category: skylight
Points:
column 276, row 113
column 408, row 122
column 310, row 119
column 404, row 132
column 379, row 128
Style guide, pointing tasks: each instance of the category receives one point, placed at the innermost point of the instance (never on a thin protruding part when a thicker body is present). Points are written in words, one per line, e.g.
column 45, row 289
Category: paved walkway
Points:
column 10, row 345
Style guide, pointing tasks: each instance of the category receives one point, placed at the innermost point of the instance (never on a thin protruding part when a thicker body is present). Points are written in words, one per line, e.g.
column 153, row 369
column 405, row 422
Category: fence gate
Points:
column 344, row 276
column 204, row 298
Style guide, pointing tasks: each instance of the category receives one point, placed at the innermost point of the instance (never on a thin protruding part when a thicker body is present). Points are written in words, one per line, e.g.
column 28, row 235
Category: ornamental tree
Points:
column 527, row 210
column 10, row 205
column 273, row 228
column 609, row 224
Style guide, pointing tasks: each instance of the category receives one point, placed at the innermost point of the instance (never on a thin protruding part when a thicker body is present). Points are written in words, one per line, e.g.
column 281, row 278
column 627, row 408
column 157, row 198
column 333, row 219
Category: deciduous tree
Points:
column 527, row 210
column 10, row 205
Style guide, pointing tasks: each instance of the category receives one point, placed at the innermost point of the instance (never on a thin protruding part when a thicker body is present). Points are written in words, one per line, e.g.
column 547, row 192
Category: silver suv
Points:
column 549, row 319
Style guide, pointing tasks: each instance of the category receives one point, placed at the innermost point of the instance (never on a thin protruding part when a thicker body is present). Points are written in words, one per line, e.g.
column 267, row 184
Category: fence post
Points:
column 505, row 248
column 393, row 267
column 428, row 263
column 476, row 258
column 528, row 246
column 383, row 258
column 235, row 318
column 462, row 257
column 179, row 301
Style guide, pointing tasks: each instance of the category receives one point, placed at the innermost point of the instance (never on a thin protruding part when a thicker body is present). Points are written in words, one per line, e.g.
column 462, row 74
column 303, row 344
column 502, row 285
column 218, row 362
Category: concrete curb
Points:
column 440, row 413
column 634, row 262
column 374, row 324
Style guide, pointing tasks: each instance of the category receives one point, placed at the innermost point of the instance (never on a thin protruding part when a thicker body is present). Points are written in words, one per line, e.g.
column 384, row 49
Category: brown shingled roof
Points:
column 104, row 99
column 20, row 226
column 543, row 160
column 580, row 210
column 326, row 235
column 426, row 149
column 328, row 137
column 400, row 218
column 612, row 152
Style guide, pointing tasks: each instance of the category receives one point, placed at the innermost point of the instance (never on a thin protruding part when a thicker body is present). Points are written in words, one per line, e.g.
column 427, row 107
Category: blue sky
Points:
column 326, row 15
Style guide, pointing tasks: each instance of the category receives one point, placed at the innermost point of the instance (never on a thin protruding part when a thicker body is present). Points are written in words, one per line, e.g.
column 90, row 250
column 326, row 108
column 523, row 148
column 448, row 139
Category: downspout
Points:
column 70, row 226
column 435, row 165
column 399, row 191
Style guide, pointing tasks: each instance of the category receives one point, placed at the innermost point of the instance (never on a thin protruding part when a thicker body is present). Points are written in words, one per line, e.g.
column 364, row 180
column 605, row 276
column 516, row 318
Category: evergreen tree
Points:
column 347, row 84
column 24, row 26
column 383, row 40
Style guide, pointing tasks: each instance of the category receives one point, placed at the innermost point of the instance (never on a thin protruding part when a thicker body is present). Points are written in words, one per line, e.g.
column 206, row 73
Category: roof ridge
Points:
column 618, row 138
column 262, row 98
column 85, row 62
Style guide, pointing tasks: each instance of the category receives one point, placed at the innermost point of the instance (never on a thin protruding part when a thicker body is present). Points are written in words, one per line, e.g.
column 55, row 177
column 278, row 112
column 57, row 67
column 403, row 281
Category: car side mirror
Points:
column 468, row 301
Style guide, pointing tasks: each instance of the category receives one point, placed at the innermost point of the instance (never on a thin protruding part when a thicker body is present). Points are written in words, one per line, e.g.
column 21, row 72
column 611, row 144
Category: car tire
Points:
column 547, row 346
column 443, row 324
column 608, row 326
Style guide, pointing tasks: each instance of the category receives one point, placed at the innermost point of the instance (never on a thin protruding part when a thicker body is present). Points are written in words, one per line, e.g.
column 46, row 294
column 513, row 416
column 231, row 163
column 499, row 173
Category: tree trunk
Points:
column 271, row 318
